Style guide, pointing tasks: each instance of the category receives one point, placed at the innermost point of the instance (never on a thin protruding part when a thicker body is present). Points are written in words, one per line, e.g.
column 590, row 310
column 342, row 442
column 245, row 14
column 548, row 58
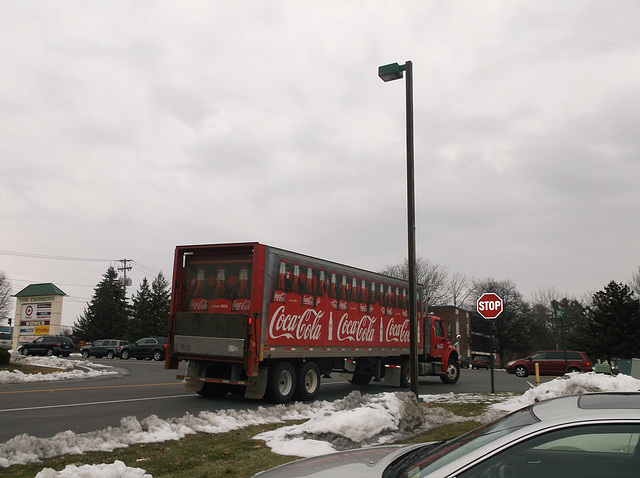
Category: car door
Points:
column 540, row 359
column 37, row 346
column 555, row 363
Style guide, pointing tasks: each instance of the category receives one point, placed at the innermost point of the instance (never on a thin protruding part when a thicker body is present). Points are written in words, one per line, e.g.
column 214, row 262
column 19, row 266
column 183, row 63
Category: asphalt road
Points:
column 144, row 388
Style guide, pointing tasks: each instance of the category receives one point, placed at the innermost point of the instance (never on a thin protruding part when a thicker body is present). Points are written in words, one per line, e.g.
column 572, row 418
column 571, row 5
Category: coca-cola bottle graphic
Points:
column 307, row 293
column 381, row 299
column 322, row 288
column 333, row 291
column 343, row 294
column 220, row 301
column 279, row 295
column 389, row 300
column 403, row 305
column 242, row 303
column 364, row 297
column 294, row 296
column 354, row 296
column 198, row 302
column 372, row 297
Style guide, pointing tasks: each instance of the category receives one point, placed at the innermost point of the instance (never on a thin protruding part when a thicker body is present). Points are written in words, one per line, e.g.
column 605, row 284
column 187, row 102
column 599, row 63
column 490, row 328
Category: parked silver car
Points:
column 582, row 436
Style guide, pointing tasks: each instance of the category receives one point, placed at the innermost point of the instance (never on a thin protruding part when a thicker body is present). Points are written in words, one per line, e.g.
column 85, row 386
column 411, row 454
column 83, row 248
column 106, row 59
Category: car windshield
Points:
column 425, row 460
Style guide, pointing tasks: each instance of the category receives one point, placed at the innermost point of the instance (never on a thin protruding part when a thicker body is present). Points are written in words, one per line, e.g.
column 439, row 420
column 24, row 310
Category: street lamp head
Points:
column 391, row 72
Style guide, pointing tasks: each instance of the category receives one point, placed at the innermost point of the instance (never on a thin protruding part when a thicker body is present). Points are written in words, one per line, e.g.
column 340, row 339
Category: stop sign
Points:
column 489, row 305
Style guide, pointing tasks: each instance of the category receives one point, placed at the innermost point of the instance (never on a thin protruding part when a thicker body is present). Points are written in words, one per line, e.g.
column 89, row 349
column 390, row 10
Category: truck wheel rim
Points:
column 285, row 383
column 311, row 381
column 452, row 372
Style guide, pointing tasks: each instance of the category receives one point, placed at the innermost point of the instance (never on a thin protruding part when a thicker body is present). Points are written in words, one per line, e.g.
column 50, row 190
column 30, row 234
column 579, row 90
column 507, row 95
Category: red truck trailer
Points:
column 264, row 322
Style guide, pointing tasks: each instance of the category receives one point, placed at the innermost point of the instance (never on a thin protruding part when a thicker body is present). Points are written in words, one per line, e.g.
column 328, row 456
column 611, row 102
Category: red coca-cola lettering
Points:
column 306, row 326
column 397, row 332
column 361, row 330
column 198, row 305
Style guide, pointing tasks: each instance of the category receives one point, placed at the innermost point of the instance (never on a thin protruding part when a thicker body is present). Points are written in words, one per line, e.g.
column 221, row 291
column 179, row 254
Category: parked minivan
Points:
column 550, row 362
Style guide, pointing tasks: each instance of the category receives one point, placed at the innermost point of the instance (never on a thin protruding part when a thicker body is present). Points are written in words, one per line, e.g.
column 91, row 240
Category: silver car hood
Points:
column 363, row 462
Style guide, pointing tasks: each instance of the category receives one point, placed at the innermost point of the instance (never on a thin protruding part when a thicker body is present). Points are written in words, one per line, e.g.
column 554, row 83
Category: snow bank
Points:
column 71, row 370
column 116, row 470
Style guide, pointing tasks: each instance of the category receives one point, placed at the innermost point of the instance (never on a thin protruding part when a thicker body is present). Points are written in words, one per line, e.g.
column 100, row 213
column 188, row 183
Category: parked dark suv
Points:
column 109, row 348
column 147, row 348
column 550, row 362
column 48, row 345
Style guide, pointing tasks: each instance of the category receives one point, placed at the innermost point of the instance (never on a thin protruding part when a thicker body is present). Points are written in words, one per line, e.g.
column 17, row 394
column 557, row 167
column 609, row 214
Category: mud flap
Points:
column 193, row 370
column 257, row 391
column 392, row 376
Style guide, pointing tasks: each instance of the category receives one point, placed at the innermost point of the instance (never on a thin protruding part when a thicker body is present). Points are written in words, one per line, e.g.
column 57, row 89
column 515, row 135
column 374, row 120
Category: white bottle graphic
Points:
column 330, row 326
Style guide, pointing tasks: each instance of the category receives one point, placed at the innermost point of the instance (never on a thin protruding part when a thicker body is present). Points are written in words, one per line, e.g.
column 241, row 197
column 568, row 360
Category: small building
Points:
column 38, row 312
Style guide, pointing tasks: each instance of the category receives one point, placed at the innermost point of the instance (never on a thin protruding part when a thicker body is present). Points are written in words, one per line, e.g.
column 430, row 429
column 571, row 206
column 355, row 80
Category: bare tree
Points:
column 5, row 298
column 459, row 290
column 635, row 282
column 433, row 277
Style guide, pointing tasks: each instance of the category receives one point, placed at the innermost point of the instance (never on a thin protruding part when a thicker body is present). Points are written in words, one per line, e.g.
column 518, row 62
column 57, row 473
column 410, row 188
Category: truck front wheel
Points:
column 281, row 384
column 453, row 373
column 308, row 378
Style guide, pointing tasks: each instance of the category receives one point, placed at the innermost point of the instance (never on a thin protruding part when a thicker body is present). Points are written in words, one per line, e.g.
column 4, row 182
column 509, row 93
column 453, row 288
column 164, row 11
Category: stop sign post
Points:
column 489, row 306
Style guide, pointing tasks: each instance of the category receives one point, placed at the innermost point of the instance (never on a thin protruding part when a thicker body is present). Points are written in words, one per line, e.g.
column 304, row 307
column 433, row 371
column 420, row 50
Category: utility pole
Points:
column 126, row 281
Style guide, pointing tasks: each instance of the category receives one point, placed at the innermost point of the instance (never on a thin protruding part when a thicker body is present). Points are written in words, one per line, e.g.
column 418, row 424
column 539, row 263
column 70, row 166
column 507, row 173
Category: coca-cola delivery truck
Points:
column 265, row 322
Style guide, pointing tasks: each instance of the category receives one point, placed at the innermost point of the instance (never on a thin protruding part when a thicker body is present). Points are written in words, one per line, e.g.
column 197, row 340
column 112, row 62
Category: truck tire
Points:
column 281, row 384
column 360, row 379
column 453, row 372
column 213, row 390
column 308, row 379
column 405, row 374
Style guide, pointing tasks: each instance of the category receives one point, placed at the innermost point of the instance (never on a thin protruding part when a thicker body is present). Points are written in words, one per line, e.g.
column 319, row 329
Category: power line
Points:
column 48, row 256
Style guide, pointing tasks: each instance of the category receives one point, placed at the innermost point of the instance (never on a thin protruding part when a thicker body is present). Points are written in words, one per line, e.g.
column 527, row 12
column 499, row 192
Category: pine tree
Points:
column 150, row 309
column 107, row 314
column 611, row 327
column 161, row 299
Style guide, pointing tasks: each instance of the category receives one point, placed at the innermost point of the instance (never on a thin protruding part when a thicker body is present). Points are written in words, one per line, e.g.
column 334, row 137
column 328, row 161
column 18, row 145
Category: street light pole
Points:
column 389, row 73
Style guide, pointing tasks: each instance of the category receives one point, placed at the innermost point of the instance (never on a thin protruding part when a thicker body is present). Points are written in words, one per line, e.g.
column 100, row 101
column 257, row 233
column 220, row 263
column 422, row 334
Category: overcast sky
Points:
column 130, row 127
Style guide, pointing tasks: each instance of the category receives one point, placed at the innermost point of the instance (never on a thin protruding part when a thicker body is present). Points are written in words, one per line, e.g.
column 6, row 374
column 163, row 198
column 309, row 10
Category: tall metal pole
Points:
column 411, row 230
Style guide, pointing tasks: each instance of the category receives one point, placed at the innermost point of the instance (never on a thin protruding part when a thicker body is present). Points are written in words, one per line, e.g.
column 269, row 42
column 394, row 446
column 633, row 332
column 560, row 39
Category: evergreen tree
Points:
column 107, row 314
column 161, row 299
column 141, row 310
column 611, row 327
column 150, row 309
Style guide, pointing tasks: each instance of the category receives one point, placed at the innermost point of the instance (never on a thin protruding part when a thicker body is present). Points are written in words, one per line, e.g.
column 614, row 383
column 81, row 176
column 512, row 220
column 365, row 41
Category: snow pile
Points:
column 116, row 470
column 357, row 421
column 71, row 370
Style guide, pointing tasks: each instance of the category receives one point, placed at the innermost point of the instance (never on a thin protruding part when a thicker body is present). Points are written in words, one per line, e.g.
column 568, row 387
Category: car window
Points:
column 572, row 446
column 539, row 356
column 38, row 340
column 573, row 356
column 555, row 355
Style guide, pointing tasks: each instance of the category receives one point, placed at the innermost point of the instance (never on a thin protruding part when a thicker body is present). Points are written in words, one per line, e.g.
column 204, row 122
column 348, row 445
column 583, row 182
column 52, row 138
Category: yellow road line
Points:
column 91, row 388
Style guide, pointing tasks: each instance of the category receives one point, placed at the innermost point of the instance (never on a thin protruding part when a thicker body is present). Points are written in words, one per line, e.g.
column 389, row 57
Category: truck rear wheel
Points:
column 453, row 372
column 405, row 374
column 308, row 378
column 281, row 384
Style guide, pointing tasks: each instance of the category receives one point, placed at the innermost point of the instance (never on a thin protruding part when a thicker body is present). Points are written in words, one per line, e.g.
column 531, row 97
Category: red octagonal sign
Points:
column 489, row 305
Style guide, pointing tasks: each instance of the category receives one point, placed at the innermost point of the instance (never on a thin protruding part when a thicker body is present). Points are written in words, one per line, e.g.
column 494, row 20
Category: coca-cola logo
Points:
column 291, row 326
column 307, row 301
column 241, row 305
column 356, row 330
column 198, row 304
column 334, row 303
column 397, row 332
column 279, row 296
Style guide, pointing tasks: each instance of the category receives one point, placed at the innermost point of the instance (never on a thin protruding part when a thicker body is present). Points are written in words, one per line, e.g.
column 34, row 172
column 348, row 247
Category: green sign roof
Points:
column 39, row 289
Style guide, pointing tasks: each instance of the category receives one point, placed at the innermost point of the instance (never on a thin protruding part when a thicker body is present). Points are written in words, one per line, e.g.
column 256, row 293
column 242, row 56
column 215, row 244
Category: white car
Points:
column 5, row 340
column 581, row 436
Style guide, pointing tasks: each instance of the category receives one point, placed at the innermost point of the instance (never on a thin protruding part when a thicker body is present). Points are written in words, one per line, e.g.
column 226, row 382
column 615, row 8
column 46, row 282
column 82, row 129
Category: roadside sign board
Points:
column 489, row 305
